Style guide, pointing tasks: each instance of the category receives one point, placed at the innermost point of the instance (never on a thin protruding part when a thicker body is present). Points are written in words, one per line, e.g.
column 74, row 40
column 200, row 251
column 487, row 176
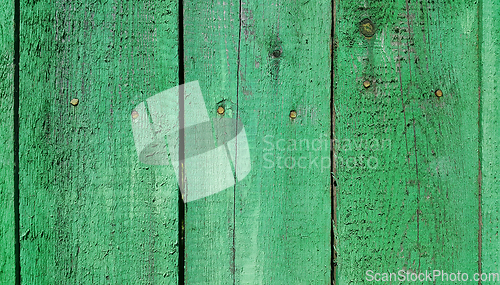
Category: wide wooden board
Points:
column 407, row 160
column 91, row 213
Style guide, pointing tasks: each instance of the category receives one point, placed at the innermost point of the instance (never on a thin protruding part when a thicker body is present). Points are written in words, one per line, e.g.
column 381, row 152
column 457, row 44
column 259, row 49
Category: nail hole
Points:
column 276, row 53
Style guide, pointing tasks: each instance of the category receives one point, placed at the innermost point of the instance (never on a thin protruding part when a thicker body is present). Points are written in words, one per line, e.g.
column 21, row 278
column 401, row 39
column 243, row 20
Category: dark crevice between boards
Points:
column 17, row 246
column 333, row 169
column 181, row 242
column 233, row 261
column 480, row 138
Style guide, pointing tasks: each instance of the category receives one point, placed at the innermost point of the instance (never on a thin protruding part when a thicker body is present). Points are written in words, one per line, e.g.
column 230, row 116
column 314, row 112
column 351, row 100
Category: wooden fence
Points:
column 372, row 128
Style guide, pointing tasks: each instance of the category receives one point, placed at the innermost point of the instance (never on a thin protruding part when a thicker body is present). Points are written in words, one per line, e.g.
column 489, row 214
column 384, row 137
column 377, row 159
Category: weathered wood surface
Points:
column 7, row 212
column 260, row 63
column 408, row 159
column 210, row 56
column 490, row 137
column 91, row 213
column 416, row 175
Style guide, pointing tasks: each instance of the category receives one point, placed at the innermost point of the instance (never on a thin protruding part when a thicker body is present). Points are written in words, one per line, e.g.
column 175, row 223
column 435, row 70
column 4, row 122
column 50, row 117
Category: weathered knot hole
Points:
column 276, row 53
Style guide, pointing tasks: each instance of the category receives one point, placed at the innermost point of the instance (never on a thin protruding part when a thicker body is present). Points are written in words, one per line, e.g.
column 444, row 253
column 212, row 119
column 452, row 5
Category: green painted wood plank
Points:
column 283, row 217
column 7, row 223
column 490, row 135
column 91, row 213
column 260, row 63
column 407, row 161
column 211, row 54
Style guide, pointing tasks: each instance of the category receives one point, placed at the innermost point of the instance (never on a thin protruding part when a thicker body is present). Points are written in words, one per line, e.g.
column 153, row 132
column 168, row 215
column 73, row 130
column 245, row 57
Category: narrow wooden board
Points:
column 490, row 147
column 283, row 209
column 260, row 62
column 407, row 160
column 210, row 56
column 7, row 217
column 91, row 213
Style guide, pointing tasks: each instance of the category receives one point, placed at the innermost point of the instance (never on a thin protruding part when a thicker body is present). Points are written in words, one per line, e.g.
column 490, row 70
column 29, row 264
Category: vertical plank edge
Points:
column 182, row 207
column 333, row 176
column 8, row 231
column 17, row 242
column 489, row 149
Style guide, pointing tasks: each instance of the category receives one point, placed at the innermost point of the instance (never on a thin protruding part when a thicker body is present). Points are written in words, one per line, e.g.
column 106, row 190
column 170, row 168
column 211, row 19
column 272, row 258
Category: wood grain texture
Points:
column 283, row 209
column 7, row 217
column 490, row 134
column 211, row 56
column 91, row 213
column 262, row 60
column 416, row 174
column 407, row 160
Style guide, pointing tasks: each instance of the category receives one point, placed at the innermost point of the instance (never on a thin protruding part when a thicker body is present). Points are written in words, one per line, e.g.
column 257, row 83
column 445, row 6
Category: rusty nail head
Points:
column 367, row 28
column 220, row 110
column 439, row 93
column 293, row 114
column 366, row 84
column 74, row 102
column 135, row 114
